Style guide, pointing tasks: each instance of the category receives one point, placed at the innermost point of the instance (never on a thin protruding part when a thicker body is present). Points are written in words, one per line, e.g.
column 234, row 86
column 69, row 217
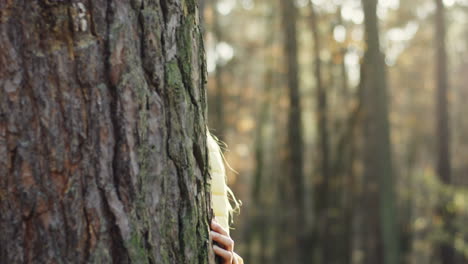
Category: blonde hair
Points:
column 224, row 202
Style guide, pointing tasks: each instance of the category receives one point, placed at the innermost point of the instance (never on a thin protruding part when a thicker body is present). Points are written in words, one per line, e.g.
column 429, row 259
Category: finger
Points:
column 224, row 241
column 236, row 259
column 224, row 254
column 218, row 228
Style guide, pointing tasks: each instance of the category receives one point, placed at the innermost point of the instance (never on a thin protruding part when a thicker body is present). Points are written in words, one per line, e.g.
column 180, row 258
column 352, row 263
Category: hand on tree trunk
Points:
column 225, row 245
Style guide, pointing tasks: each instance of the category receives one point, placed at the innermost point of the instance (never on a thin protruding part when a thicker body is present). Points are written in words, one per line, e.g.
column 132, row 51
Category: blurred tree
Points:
column 342, row 54
column 322, row 189
column 260, row 222
column 381, row 240
column 102, row 133
column 447, row 251
column 292, row 182
column 218, row 103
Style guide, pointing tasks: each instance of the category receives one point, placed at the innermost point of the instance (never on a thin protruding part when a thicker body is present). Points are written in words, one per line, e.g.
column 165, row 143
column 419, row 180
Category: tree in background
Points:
column 444, row 171
column 102, row 133
column 218, row 101
column 292, row 182
column 322, row 187
column 260, row 215
column 381, row 241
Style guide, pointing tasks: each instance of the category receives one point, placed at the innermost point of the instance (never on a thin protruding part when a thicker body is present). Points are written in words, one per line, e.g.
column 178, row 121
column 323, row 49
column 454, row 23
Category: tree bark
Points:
column 381, row 239
column 102, row 133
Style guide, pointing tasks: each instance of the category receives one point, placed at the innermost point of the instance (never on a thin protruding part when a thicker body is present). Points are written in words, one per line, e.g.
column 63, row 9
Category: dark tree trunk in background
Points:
column 342, row 185
column 257, row 229
column 259, row 212
column 102, row 133
column 291, row 184
column 446, row 248
column 218, row 101
column 381, row 242
column 325, row 243
column 443, row 131
column 343, row 51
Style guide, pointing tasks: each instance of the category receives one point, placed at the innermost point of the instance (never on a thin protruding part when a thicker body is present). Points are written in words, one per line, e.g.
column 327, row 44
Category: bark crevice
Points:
column 99, row 144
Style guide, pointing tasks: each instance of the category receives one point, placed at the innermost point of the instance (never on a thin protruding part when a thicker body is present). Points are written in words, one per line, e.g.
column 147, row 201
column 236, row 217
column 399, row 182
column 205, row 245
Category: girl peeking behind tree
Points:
column 221, row 196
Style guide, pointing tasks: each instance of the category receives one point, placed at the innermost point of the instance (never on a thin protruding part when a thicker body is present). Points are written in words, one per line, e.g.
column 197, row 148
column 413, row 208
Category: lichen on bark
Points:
column 102, row 133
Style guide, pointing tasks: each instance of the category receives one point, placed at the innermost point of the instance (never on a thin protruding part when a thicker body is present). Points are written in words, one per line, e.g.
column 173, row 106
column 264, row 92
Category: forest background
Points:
column 345, row 126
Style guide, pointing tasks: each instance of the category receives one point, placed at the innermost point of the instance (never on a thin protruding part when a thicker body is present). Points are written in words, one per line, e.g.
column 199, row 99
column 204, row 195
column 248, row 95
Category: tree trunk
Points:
column 344, row 73
column 219, row 98
column 291, row 184
column 446, row 248
column 102, row 133
column 381, row 238
column 322, row 188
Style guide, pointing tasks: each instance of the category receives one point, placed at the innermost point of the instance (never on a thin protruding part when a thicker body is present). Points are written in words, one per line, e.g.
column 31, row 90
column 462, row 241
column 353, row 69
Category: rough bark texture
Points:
column 381, row 240
column 102, row 132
